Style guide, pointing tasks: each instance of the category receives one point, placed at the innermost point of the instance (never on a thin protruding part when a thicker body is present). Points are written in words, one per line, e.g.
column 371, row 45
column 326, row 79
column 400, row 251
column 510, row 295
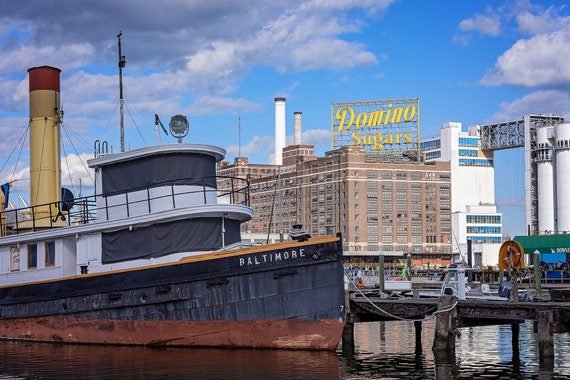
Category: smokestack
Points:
column 298, row 128
column 279, row 130
column 45, row 114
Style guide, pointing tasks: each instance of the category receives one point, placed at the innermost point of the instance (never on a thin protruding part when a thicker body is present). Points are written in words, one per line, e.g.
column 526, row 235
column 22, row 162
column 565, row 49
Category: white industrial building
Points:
column 475, row 219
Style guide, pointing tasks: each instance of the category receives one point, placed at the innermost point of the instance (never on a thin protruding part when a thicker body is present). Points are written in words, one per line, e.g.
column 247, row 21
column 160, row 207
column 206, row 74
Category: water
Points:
column 382, row 351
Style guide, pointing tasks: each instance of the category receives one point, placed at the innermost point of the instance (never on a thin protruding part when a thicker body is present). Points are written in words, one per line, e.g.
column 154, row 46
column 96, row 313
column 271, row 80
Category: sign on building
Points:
column 381, row 126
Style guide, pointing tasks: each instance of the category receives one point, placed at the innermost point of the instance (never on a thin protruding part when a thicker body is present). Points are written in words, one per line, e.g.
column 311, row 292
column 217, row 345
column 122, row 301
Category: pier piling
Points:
column 444, row 338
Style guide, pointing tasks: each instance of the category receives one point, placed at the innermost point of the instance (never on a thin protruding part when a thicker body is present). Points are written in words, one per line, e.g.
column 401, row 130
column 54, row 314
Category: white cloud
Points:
column 555, row 102
column 484, row 24
column 536, row 21
column 541, row 61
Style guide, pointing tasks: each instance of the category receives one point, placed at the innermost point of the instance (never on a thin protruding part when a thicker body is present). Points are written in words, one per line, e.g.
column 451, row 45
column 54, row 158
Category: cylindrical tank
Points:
column 279, row 130
column 563, row 176
column 545, row 173
column 44, row 141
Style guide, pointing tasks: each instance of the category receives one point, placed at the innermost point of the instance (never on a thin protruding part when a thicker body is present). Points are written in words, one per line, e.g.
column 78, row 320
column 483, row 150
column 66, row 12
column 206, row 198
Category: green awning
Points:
column 544, row 243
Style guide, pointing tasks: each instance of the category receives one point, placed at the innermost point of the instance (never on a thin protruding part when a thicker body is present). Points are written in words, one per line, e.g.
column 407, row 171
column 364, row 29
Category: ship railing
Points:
column 158, row 197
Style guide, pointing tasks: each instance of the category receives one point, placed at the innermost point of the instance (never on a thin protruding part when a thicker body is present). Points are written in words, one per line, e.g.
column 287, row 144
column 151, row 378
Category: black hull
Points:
column 294, row 289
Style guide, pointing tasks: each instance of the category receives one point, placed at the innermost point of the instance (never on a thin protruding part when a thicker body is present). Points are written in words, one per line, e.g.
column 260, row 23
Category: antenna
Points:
column 122, row 63
column 239, row 136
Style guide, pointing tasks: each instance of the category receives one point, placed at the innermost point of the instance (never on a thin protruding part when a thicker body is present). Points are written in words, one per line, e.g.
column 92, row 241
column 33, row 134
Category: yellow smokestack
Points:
column 45, row 177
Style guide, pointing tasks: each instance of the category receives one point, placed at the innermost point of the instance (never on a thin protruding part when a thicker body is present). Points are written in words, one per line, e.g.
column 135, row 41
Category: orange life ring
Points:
column 511, row 256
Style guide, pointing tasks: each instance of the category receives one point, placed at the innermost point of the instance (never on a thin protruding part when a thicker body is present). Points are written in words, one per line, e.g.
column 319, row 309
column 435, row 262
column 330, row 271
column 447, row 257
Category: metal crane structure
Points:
column 523, row 133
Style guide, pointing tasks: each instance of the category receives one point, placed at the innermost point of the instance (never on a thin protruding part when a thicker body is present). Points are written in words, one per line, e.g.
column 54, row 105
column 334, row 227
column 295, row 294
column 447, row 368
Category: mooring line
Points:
column 434, row 314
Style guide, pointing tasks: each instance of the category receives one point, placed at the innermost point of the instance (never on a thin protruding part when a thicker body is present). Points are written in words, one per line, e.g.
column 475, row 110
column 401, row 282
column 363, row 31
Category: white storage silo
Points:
column 562, row 149
column 545, row 173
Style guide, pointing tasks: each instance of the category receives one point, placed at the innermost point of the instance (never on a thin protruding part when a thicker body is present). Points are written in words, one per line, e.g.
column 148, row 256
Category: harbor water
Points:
column 382, row 350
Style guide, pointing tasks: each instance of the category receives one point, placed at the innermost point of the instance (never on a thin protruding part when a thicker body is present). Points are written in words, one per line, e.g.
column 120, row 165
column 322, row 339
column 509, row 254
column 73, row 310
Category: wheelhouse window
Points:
column 50, row 253
column 32, row 256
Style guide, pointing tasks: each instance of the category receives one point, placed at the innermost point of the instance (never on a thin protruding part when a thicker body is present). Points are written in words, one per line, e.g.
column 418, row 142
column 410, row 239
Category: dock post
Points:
column 545, row 321
column 444, row 338
column 409, row 267
column 348, row 329
column 381, row 271
column 537, row 275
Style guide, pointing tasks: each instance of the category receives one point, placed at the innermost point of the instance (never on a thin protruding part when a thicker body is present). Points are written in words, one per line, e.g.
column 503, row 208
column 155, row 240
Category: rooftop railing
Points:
column 154, row 198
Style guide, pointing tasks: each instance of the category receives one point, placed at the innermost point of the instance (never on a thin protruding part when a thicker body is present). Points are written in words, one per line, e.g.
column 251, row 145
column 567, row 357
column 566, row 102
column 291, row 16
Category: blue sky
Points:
column 473, row 62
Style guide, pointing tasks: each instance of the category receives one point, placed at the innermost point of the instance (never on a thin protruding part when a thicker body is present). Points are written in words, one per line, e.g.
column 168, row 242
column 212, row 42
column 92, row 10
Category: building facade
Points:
column 477, row 226
column 389, row 205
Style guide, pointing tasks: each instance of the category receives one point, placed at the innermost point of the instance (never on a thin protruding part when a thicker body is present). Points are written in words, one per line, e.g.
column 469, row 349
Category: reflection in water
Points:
column 381, row 350
column 387, row 350
column 45, row 361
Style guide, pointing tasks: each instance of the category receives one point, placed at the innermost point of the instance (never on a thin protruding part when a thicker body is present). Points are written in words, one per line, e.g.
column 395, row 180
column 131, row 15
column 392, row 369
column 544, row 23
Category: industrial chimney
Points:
column 298, row 127
column 279, row 130
column 44, row 142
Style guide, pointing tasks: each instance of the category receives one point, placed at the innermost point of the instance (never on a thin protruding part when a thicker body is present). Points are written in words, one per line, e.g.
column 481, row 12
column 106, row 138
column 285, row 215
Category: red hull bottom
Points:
column 284, row 334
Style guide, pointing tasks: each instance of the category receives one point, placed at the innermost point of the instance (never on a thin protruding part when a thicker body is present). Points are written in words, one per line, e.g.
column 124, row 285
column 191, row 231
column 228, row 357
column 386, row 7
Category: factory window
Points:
column 401, row 185
column 386, row 206
column 386, row 185
column 401, row 207
column 371, row 174
column 386, row 174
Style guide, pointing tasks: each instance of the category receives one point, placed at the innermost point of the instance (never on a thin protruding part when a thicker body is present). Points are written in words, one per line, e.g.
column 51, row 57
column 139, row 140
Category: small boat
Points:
column 454, row 283
column 155, row 257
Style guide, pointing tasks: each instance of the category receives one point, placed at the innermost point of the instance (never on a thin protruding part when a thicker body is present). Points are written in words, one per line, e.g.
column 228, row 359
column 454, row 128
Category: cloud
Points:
column 550, row 101
column 534, row 20
column 540, row 61
column 484, row 24
column 258, row 145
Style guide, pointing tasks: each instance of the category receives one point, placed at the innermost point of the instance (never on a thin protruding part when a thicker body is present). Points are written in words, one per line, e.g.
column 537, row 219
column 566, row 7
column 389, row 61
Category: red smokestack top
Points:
column 44, row 78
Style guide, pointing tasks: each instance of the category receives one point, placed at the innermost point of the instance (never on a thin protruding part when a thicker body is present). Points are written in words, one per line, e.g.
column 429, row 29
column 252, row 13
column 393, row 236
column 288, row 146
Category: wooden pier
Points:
column 452, row 314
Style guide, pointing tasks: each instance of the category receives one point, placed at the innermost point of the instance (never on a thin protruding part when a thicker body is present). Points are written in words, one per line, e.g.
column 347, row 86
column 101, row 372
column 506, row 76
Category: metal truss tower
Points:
column 516, row 134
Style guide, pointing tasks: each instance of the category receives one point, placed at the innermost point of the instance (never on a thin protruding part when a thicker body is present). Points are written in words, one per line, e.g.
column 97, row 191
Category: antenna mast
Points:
column 239, row 136
column 122, row 62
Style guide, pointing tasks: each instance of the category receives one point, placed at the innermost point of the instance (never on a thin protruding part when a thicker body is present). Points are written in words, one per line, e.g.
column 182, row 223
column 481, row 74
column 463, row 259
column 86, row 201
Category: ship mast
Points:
column 122, row 62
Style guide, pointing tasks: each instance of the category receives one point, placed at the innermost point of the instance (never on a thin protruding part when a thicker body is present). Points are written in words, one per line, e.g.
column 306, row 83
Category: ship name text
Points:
column 271, row 257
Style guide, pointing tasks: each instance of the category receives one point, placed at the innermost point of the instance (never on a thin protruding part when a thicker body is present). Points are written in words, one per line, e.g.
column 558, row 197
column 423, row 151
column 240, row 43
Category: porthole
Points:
column 143, row 298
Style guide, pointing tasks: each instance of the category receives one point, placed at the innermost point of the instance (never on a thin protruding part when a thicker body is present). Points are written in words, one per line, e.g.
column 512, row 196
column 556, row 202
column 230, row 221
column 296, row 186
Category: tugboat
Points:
column 155, row 257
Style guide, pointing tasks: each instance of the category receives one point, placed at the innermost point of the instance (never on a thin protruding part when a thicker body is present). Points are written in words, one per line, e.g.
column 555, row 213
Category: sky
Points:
column 221, row 63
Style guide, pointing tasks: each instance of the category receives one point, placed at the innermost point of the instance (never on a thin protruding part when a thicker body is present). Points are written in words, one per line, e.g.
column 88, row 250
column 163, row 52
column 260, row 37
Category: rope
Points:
column 427, row 318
